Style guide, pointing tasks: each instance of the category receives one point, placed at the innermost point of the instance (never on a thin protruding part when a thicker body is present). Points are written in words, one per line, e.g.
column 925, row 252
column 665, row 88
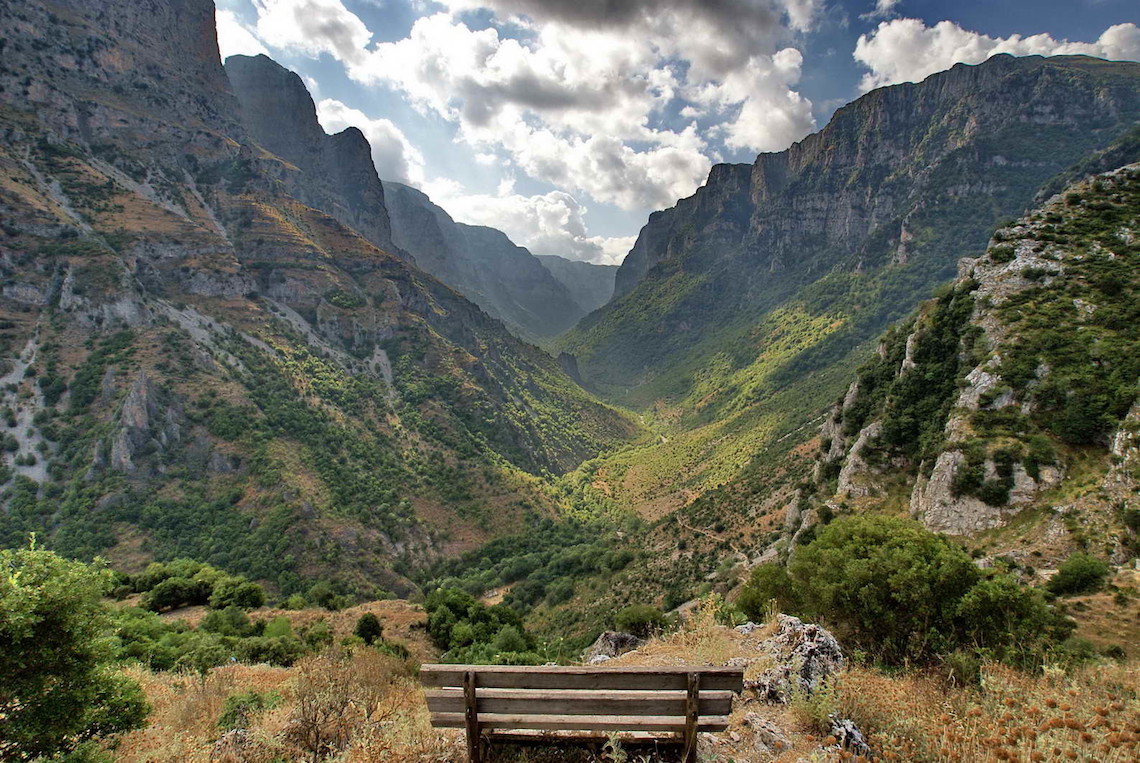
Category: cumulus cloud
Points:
column 576, row 94
column 234, row 38
column 717, row 34
column 551, row 223
column 312, row 26
column 393, row 154
column 906, row 50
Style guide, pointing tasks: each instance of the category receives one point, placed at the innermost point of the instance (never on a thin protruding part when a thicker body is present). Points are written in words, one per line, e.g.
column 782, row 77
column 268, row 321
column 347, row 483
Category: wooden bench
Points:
column 508, row 703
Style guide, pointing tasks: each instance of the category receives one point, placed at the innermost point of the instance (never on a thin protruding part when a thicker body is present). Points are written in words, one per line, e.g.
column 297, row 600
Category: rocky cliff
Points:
column 857, row 221
column 483, row 265
column 204, row 357
column 1013, row 394
column 338, row 177
column 590, row 285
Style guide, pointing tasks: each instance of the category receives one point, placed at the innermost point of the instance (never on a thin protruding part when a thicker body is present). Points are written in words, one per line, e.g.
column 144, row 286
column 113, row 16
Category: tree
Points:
column 1080, row 573
column 889, row 585
column 1010, row 622
column 237, row 592
column 768, row 582
column 58, row 690
column 368, row 628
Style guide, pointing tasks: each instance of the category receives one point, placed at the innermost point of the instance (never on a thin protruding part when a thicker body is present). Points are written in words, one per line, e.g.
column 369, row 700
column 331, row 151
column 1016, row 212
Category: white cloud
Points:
column 393, row 154
column 313, row 27
column 579, row 99
column 234, row 38
column 769, row 114
column 551, row 223
column 906, row 50
column 883, row 9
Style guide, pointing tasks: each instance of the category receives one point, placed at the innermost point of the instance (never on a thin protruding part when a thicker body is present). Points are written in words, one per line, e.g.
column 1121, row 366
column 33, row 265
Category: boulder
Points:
column 848, row 736
column 609, row 645
column 805, row 656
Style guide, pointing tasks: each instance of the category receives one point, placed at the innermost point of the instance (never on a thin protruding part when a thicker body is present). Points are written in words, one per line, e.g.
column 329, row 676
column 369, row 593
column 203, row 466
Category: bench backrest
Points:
column 594, row 699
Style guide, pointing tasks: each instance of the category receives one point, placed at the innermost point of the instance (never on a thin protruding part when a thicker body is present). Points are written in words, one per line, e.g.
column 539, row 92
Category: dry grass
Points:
column 368, row 707
column 1090, row 714
column 348, row 707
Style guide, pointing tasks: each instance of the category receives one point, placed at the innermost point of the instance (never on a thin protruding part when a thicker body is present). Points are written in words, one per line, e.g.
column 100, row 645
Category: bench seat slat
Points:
column 580, row 722
column 598, row 678
column 578, row 702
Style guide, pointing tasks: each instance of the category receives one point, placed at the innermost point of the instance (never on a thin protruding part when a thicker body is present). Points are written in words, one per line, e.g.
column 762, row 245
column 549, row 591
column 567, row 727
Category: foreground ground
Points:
column 362, row 705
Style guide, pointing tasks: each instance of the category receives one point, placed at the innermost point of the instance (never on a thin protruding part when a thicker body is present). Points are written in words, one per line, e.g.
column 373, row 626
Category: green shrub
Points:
column 768, row 582
column 368, row 629
column 58, row 689
column 641, row 620
column 241, row 708
column 237, row 592
column 1080, row 573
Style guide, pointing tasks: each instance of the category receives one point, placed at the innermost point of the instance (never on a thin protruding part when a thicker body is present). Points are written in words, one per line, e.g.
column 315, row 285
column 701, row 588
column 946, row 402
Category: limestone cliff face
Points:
column 999, row 394
column 482, row 264
column 339, row 177
column 898, row 186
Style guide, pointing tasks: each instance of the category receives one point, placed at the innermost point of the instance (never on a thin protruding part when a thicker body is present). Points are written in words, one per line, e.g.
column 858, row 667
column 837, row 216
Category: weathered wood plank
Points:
column 580, row 722
column 692, row 717
column 599, row 678
column 580, row 702
column 471, row 717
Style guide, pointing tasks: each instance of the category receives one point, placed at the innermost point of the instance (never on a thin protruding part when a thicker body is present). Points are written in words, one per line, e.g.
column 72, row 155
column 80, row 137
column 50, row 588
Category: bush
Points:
column 368, row 629
column 239, row 709
column 58, row 690
column 889, row 585
column 768, row 582
column 641, row 620
column 237, row 592
column 1080, row 573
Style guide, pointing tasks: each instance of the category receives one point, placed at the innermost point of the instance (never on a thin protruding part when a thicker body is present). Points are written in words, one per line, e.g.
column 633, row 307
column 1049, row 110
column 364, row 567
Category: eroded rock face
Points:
column 806, row 656
column 934, row 503
column 609, row 645
column 339, row 177
column 149, row 422
column 855, row 465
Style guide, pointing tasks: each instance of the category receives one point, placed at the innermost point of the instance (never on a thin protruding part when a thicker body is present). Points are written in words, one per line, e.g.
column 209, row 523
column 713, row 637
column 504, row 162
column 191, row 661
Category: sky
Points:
column 565, row 123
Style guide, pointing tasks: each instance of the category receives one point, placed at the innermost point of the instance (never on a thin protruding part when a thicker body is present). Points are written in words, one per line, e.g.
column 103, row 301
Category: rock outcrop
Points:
column 610, row 644
column 805, row 656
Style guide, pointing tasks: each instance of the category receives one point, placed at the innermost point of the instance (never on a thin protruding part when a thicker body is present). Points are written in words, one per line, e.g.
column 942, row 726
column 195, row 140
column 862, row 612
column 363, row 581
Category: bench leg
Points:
column 692, row 711
column 471, row 716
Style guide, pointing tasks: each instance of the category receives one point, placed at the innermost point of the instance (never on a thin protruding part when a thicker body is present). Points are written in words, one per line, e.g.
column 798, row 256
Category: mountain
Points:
column 590, row 285
column 741, row 312
column 1004, row 411
column 337, row 174
column 483, row 265
column 1012, row 396
column 203, row 356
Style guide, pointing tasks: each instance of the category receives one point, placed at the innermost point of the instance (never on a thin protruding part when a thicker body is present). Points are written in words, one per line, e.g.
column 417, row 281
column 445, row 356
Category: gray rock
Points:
column 770, row 738
column 806, row 656
column 609, row 645
column 848, row 736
